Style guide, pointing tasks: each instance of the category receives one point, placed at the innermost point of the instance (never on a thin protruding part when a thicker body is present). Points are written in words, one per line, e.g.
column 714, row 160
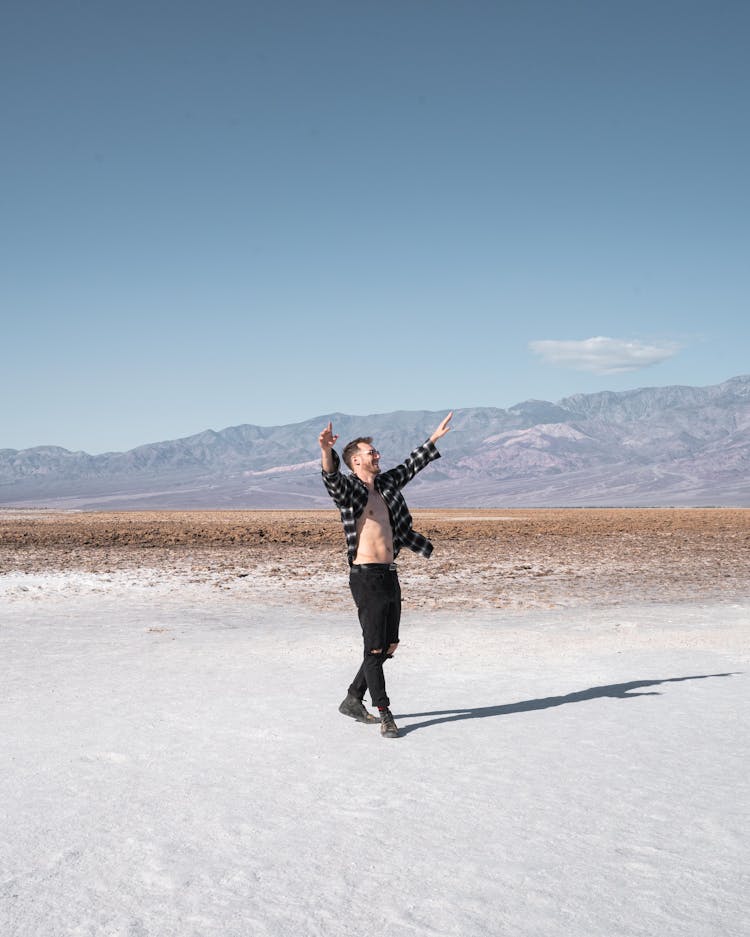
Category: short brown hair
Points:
column 351, row 447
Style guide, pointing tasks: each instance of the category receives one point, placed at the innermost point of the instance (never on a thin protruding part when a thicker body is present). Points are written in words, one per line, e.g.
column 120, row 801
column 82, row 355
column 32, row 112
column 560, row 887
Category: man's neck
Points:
column 367, row 478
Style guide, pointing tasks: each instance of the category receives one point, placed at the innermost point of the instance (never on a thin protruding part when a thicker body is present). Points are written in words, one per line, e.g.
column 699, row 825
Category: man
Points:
column 377, row 524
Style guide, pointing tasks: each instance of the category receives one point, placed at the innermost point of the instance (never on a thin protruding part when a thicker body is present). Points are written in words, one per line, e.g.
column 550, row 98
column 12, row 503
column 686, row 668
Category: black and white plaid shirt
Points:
column 350, row 496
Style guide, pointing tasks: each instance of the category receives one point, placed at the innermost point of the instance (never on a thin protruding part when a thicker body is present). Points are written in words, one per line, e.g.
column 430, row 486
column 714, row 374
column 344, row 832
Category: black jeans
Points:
column 377, row 594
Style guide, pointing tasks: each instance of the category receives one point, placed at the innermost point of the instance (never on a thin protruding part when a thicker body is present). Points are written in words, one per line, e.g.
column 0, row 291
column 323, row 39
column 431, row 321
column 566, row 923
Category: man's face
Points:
column 367, row 458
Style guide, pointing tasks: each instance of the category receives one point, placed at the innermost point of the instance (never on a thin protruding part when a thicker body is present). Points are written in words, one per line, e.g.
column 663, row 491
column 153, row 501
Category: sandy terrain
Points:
column 175, row 764
column 505, row 559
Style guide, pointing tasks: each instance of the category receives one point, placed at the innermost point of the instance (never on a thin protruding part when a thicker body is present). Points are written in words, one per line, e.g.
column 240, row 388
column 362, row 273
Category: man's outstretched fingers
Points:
column 442, row 429
column 327, row 438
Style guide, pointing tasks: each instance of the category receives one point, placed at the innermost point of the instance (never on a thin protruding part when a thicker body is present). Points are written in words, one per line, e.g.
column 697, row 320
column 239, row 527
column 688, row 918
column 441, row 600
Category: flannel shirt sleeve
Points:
column 413, row 463
column 338, row 486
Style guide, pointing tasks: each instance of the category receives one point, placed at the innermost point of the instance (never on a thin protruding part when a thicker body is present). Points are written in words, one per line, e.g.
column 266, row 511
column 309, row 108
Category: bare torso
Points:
column 374, row 534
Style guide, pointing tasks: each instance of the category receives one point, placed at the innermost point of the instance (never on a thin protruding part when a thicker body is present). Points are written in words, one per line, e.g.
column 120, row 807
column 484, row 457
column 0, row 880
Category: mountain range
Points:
column 654, row 446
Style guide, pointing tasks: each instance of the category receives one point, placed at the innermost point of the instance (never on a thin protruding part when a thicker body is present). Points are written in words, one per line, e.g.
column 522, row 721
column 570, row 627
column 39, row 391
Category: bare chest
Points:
column 376, row 511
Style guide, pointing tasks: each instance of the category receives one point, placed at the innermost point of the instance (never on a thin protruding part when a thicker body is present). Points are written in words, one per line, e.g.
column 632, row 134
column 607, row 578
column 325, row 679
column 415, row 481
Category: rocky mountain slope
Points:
column 651, row 446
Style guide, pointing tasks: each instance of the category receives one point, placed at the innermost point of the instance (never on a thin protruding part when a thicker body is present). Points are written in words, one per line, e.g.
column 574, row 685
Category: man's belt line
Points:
column 374, row 567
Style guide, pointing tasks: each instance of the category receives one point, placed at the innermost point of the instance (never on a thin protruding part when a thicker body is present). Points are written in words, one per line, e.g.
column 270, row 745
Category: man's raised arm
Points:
column 327, row 441
column 420, row 457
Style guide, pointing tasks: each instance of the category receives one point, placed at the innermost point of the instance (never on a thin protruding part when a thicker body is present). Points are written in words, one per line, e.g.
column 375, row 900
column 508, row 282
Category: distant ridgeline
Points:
column 652, row 447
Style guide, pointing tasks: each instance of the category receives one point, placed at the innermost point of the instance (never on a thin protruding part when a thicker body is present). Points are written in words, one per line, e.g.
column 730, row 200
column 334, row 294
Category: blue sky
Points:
column 239, row 212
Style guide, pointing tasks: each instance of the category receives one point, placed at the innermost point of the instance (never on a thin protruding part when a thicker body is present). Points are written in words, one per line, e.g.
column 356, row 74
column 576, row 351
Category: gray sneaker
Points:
column 388, row 728
column 356, row 709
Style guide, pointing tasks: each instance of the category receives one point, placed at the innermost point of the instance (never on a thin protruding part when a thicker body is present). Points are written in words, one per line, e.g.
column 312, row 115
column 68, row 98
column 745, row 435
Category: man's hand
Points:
column 327, row 439
column 442, row 429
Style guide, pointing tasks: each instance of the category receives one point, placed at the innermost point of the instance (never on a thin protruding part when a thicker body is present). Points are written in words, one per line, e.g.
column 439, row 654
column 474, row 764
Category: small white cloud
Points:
column 604, row 355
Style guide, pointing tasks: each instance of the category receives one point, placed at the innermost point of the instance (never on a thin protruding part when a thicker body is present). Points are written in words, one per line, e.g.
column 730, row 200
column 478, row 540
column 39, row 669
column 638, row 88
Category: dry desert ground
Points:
column 513, row 559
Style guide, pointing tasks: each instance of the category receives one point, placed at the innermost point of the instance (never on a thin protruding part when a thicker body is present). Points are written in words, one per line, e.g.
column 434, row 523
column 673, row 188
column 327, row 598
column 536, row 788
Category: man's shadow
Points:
column 614, row 691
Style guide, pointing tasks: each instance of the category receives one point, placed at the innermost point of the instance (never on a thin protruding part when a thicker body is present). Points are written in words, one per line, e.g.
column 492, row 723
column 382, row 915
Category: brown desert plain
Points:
column 513, row 559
